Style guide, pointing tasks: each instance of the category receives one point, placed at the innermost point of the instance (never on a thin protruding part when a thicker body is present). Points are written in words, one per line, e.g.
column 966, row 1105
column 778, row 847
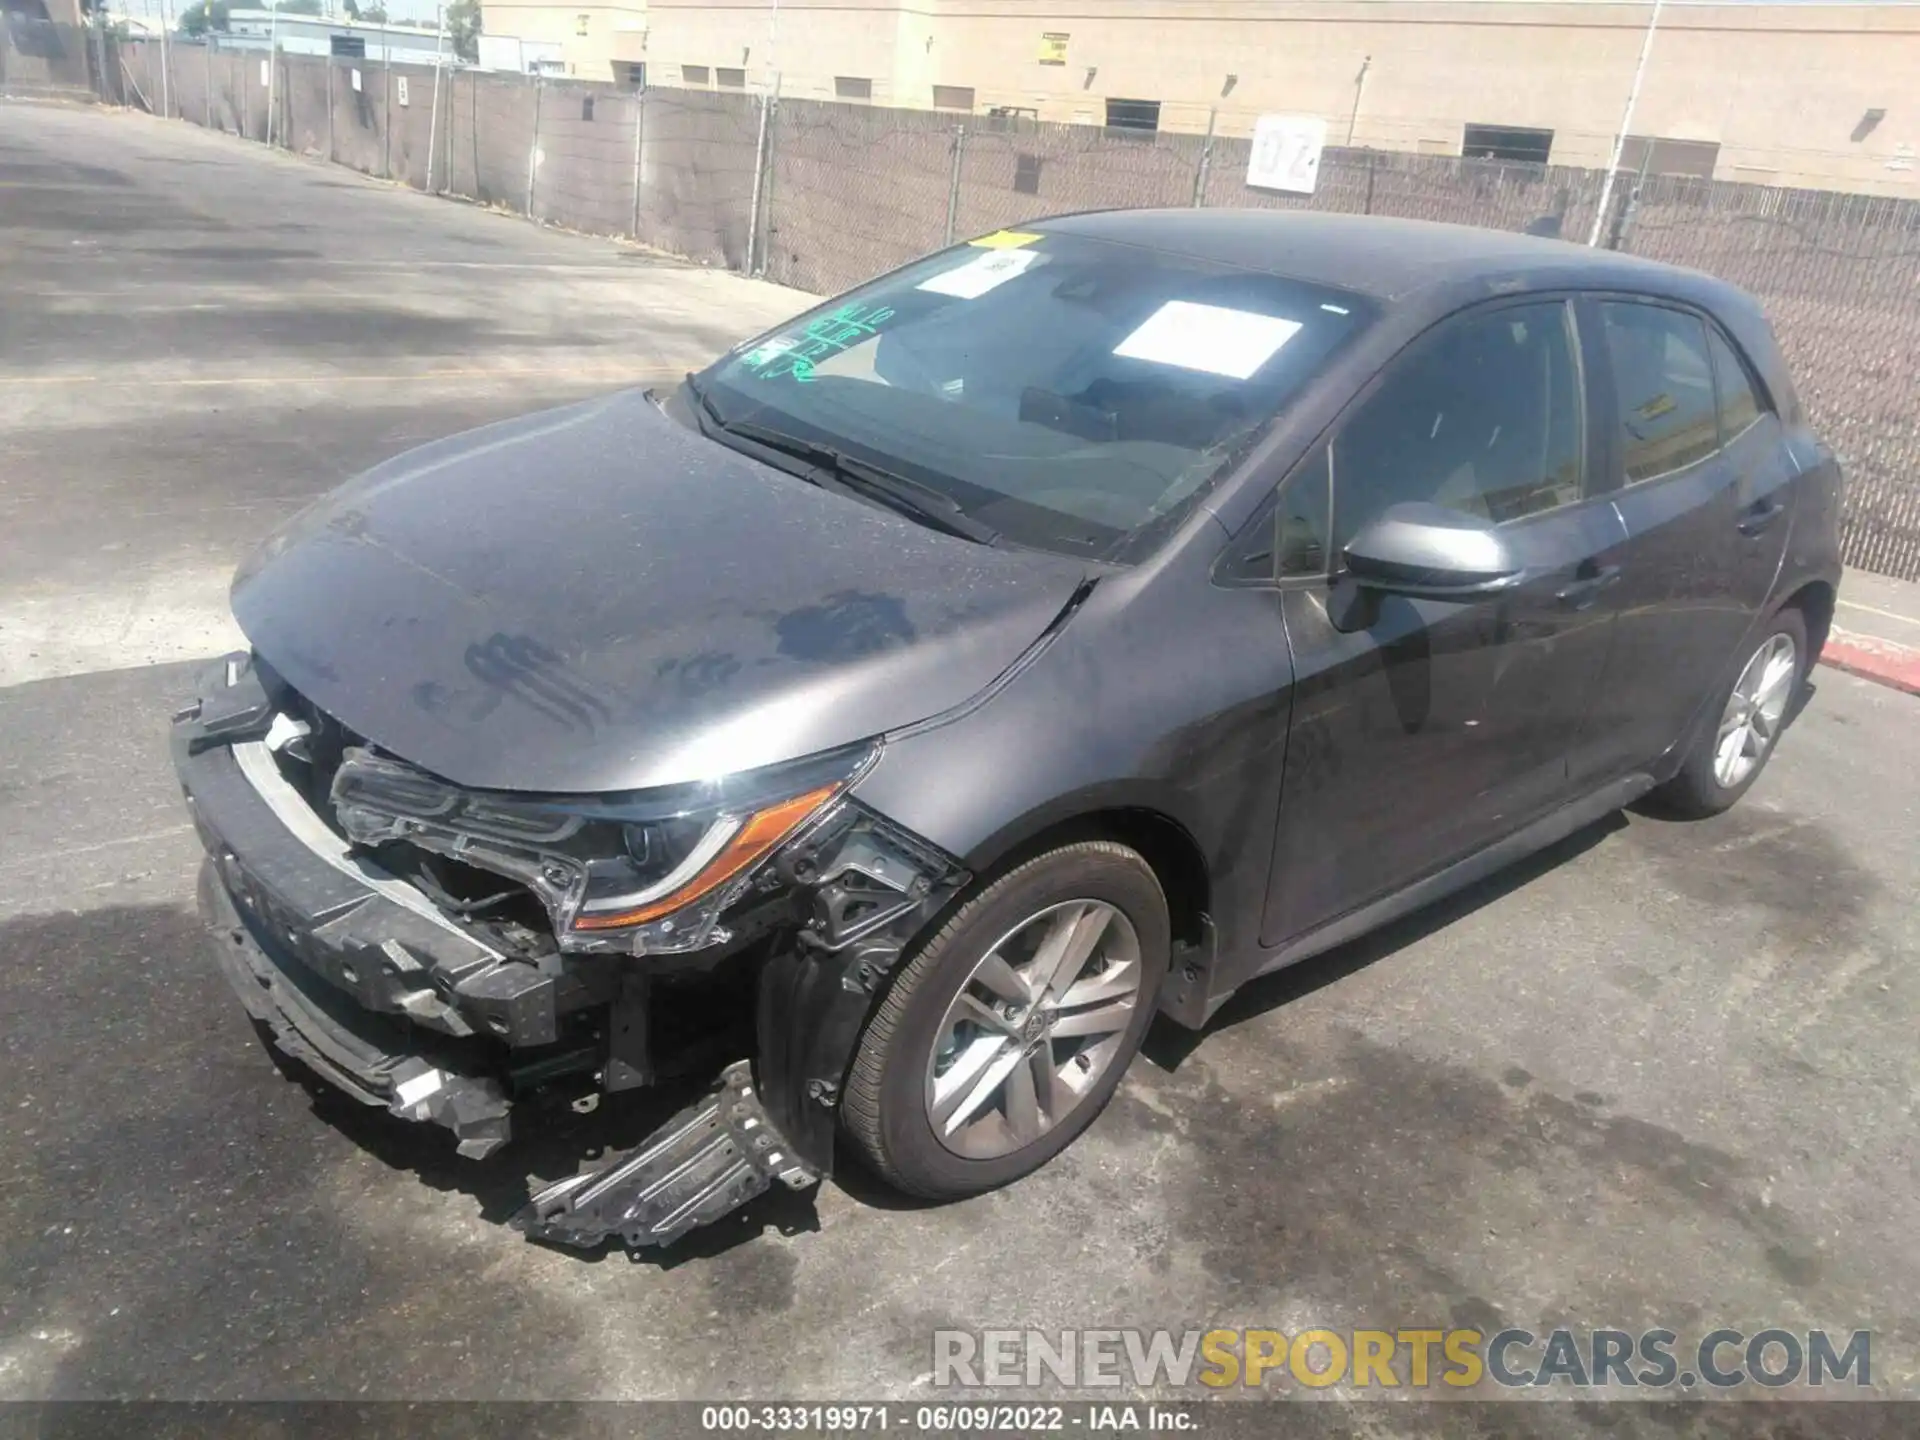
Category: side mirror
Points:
column 1427, row 552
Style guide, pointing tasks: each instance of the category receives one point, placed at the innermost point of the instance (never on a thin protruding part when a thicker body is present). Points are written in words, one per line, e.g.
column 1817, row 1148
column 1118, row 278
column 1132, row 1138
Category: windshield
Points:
column 1064, row 392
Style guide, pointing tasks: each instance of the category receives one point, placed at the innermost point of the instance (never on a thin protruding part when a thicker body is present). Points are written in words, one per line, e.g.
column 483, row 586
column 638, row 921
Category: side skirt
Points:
column 1545, row 831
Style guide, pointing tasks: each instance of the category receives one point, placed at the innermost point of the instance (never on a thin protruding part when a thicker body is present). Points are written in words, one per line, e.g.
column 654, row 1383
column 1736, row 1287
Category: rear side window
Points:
column 1739, row 404
column 1485, row 419
column 1663, row 382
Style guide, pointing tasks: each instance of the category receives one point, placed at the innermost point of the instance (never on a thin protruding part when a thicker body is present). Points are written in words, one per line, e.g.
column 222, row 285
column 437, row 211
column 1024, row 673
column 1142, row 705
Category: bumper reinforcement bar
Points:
column 711, row 1158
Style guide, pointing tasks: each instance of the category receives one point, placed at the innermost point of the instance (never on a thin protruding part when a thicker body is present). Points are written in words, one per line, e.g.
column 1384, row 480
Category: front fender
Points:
column 873, row 888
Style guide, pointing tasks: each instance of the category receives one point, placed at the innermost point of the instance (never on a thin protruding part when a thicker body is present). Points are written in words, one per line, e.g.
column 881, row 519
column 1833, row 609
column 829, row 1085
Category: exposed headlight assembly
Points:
column 646, row 873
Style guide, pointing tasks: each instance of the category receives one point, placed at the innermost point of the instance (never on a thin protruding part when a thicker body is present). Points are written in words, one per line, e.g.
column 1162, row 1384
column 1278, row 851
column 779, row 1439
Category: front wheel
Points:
column 1728, row 758
column 1006, row 1035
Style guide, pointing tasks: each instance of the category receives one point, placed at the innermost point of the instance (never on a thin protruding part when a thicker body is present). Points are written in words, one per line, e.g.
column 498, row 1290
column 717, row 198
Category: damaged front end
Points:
column 458, row 956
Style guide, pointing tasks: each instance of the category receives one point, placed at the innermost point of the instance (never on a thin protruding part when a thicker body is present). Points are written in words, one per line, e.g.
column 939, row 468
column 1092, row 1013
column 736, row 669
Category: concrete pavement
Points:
column 1876, row 630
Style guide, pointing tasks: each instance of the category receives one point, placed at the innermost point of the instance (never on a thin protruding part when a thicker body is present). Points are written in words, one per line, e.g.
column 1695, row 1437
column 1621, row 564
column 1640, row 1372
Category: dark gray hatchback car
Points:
column 1065, row 628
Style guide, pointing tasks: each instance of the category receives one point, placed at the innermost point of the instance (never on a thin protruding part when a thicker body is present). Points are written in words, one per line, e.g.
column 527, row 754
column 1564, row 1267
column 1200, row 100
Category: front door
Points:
column 1436, row 728
column 1702, row 477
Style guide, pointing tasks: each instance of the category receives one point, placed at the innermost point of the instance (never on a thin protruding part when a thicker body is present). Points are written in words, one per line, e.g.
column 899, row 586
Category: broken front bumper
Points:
column 351, row 970
column 358, row 974
column 307, row 1019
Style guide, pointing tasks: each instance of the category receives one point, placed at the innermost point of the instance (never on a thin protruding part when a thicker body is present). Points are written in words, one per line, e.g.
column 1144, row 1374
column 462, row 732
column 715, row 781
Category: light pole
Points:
column 1626, row 124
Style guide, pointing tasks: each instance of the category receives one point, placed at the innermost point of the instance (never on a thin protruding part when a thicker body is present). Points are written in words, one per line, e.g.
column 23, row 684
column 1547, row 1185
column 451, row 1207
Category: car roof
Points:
column 1389, row 259
column 1424, row 270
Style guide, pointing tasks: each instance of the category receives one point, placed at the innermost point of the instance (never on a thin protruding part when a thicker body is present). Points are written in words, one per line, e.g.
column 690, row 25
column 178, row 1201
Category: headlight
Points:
column 728, row 845
column 645, row 873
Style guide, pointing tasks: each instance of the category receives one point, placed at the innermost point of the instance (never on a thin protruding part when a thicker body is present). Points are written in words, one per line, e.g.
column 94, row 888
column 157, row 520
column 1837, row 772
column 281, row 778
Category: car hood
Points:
column 598, row 599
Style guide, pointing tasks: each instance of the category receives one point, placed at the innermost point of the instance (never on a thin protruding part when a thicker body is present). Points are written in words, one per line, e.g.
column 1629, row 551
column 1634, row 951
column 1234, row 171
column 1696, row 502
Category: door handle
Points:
column 1759, row 515
column 1586, row 589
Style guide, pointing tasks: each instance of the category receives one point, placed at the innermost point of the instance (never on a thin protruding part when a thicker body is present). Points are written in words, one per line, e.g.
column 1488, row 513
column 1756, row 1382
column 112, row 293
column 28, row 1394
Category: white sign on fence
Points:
column 266, row 72
column 400, row 89
column 356, row 82
column 1286, row 152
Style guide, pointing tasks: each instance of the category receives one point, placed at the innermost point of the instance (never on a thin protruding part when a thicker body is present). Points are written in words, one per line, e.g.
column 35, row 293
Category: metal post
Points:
column 1618, row 239
column 331, row 69
column 1626, row 124
column 166, row 64
column 433, row 115
column 533, row 150
column 1372, row 156
column 953, row 179
column 206, row 49
column 100, row 50
column 639, row 129
column 1206, row 162
column 273, row 67
column 245, row 126
column 386, row 112
column 755, row 206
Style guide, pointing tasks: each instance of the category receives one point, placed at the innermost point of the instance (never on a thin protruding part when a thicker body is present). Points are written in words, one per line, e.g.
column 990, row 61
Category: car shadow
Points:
column 1168, row 1044
column 561, row 1141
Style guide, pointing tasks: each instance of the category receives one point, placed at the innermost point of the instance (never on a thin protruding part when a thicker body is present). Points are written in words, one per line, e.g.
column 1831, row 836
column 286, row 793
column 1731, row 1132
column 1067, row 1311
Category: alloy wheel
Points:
column 1755, row 711
column 1033, row 1028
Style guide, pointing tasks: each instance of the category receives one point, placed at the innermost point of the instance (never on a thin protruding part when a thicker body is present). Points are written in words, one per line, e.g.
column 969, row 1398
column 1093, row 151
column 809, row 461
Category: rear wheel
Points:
column 1729, row 756
column 1004, row 1038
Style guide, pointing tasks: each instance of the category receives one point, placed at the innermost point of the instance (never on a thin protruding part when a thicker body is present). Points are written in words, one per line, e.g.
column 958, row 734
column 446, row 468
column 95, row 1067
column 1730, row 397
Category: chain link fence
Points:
column 821, row 196
column 39, row 58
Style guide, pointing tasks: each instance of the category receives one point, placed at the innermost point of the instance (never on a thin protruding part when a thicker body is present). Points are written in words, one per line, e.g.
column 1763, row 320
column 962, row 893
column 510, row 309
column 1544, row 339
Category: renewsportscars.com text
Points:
column 1409, row 1358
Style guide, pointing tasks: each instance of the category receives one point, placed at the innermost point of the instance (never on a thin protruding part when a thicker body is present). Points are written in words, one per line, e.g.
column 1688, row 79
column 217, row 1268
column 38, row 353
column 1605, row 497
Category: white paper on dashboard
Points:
column 980, row 274
column 1208, row 337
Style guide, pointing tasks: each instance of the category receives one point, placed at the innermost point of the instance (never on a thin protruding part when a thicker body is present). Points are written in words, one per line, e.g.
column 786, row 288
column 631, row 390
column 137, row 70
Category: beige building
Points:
column 596, row 42
column 1803, row 93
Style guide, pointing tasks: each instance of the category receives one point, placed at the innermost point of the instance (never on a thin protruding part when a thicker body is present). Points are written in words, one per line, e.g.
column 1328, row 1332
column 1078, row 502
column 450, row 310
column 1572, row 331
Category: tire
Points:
column 1703, row 787
column 915, row 1056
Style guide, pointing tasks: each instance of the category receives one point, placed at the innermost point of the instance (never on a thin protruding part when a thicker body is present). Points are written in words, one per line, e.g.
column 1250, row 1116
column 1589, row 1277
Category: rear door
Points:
column 1441, row 726
column 1700, row 480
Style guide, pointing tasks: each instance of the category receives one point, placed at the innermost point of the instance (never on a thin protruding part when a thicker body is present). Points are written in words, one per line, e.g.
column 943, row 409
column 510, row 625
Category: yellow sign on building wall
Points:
column 1053, row 48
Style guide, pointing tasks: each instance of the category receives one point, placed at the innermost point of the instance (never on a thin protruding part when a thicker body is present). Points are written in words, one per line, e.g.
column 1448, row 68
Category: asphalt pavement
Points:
column 1663, row 1074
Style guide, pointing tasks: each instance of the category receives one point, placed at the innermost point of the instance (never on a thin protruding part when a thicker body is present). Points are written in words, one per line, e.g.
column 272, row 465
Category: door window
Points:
column 1739, row 404
column 1663, row 383
column 1485, row 418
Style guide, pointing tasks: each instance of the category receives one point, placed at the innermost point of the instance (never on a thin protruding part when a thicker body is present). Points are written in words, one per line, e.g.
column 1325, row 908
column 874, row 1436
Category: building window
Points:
column 852, row 87
column 1506, row 142
column 730, row 78
column 632, row 74
column 953, row 97
column 694, row 75
column 1657, row 155
column 1133, row 114
column 580, row 24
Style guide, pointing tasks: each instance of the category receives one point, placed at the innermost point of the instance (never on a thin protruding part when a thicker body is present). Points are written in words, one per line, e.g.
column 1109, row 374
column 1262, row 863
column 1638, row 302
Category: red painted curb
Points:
column 1883, row 661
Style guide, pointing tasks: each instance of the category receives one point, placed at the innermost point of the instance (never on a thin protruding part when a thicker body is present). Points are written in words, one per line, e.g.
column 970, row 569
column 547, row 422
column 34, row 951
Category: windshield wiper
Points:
column 910, row 497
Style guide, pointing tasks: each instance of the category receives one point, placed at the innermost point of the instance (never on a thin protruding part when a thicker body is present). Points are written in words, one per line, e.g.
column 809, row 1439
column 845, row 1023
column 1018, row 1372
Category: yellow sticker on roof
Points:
column 1005, row 240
